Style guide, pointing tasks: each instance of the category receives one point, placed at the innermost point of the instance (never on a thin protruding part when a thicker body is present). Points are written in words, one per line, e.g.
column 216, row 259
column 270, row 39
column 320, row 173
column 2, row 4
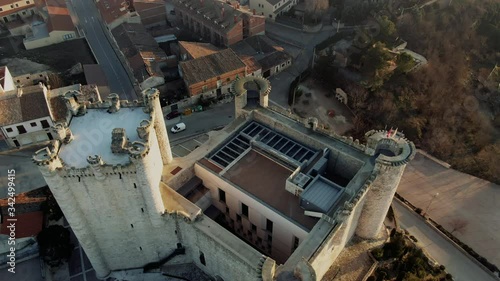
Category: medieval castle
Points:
column 270, row 197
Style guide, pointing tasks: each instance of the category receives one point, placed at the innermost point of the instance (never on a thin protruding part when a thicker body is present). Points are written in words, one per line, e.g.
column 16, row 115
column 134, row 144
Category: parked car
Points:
column 172, row 115
column 178, row 128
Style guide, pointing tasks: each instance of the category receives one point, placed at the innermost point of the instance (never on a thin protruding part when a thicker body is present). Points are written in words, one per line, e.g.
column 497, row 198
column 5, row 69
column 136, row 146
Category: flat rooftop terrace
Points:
column 265, row 179
column 92, row 135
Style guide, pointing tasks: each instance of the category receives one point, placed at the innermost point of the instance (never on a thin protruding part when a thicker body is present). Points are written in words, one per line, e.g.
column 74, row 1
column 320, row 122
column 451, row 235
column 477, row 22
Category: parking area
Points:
column 185, row 147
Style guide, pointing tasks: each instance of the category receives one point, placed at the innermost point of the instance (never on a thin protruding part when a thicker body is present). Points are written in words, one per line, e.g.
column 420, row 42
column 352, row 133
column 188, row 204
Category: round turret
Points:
column 138, row 150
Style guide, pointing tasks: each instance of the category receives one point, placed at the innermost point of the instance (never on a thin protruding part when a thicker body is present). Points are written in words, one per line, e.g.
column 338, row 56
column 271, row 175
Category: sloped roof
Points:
column 210, row 66
column 198, row 49
column 31, row 104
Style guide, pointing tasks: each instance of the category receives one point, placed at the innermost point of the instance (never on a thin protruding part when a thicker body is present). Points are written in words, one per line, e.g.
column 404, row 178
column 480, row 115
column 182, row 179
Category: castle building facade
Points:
column 270, row 197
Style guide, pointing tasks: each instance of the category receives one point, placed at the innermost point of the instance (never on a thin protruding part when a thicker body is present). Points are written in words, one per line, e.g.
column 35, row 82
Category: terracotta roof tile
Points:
column 210, row 66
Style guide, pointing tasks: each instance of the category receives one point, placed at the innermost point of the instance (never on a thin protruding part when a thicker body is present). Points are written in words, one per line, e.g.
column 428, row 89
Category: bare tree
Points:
column 458, row 225
column 316, row 8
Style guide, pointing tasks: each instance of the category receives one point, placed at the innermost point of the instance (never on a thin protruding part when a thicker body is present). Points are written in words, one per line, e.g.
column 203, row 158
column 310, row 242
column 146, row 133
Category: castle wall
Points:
column 75, row 216
column 379, row 199
column 336, row 241
column 224, row 254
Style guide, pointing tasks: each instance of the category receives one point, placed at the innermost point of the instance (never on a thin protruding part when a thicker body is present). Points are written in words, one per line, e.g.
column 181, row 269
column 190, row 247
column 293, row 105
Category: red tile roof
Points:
column 27, row 224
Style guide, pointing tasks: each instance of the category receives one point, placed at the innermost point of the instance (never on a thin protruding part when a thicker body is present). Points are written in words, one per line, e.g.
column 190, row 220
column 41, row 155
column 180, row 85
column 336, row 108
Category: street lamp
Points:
column 430, row 202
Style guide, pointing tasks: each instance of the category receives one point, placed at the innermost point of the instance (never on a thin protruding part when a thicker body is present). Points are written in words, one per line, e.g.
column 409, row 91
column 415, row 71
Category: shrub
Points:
column 378, row 253
column 413, row 238
column 442, row 267
column 371, row 278
column 449, row 277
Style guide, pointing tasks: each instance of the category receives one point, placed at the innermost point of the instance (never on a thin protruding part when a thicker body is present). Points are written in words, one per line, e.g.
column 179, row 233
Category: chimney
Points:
column 254, row 12
column 235, row 19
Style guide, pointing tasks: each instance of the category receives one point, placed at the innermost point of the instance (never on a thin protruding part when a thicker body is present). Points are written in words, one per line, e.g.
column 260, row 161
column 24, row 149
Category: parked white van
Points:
column 178, row 128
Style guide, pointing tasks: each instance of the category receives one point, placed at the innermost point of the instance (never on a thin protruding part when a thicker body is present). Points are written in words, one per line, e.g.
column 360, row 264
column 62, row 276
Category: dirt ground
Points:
column 317, row 101
column 58, row 58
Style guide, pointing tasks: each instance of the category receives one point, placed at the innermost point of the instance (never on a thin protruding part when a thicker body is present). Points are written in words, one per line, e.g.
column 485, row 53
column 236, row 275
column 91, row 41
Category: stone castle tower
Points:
column 392, row 152
column 104, row 171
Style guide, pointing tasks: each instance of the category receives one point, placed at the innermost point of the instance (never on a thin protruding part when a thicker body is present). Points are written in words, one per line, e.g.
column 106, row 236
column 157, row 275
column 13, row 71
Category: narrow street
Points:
column 87, row 16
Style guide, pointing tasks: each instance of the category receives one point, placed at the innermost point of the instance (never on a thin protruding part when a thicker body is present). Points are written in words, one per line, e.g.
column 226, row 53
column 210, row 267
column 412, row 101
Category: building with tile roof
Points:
column 221, row 23
column 152, row 12
column 270, row 9
column 212, row 74
column 271, row 57
column 58, row 26
column 116, row 12
column 15, row 10
column 142, row 53
column 194, row 50
column 26, row 117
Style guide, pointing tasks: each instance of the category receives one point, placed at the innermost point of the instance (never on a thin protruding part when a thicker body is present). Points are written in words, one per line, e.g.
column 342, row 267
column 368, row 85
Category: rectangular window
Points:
column 238, row 218
column 27, row 2
column 227, row 210
column 254, row 228
column 9, row 130
column 295, row 243
column 269, row 238
column 45, row 124
column 21, row 129
column 244, row 210
column 222, row 195
column 33, row 124
column 269, row 225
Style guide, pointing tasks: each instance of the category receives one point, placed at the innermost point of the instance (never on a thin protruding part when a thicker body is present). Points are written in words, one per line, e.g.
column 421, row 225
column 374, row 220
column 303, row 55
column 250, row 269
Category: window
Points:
column 227, row 210
column 17, row 5
column 222, row 196
column 244, row 210
column 1, row 9
column 270, row 238
column 33, row 124
column 24, row 12
column 202, row 258
column 295, row 243
column 271, row 16
column 254, row 228
column 135, row 185
column 142, row 210
column 238, row 218
column 9, row 130
column 21, row 129
column 45, row 124
column 269, row 225
column 131, row 225
column 27, row 2
column 140, row 248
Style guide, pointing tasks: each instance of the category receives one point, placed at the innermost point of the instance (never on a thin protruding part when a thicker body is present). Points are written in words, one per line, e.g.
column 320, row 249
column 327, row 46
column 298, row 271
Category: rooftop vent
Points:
column 301, row 180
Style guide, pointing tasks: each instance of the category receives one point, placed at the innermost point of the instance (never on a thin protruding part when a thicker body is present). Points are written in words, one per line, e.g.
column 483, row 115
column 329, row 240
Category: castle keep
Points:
column 270, row 197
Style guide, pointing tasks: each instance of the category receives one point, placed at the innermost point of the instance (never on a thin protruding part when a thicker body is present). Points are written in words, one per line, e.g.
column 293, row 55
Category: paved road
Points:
column 300, row 45
column 201, row 122
column 87, row 16
column 463, row 199
column 440, row 249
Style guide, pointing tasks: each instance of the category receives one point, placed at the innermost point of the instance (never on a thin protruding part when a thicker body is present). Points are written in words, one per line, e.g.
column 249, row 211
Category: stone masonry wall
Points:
column 379, row 199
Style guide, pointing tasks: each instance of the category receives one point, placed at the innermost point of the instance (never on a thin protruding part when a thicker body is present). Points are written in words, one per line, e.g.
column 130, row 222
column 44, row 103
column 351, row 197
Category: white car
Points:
column 179, row 127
